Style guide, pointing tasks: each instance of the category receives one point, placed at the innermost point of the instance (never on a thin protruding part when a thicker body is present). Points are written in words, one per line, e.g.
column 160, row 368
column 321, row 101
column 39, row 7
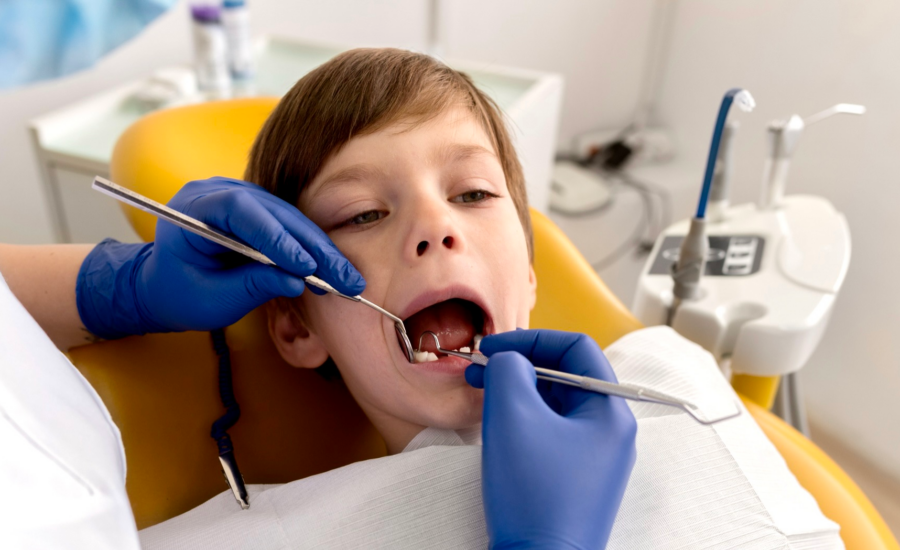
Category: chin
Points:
column 457, row 412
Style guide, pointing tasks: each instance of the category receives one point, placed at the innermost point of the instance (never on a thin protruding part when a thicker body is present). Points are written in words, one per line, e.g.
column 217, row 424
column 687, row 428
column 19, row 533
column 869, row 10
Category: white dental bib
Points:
column 693, row 486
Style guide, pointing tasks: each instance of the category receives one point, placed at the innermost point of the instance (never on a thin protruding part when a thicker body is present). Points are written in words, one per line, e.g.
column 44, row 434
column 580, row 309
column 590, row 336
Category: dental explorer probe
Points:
column 625, row 391
column 208, row 232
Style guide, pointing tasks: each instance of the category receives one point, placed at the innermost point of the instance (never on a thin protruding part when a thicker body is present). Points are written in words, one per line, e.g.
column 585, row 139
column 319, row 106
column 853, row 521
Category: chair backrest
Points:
column 162, row 393
column 162, row 151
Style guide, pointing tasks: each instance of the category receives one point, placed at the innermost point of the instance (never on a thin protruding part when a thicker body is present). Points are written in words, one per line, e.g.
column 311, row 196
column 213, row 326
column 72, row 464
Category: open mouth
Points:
column 459, row 325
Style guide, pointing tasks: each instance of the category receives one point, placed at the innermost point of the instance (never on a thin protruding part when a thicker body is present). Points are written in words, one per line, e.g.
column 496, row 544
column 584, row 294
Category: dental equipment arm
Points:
column 783, row 137
column 556, row 459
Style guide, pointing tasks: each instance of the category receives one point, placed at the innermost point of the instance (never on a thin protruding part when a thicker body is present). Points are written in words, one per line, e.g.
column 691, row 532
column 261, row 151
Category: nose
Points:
column 433, row 230
column 423, row 245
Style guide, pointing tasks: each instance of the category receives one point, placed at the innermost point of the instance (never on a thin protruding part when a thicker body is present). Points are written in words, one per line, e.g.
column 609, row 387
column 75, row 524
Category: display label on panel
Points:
column 729, row 255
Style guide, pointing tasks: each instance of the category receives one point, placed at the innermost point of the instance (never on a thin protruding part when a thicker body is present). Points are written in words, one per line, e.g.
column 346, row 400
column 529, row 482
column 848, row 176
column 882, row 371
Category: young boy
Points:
column 414, row 177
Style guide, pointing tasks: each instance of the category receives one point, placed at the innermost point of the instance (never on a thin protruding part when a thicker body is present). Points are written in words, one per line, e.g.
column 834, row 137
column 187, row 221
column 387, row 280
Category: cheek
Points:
column 348, row 330
column 370, row 252
column 504, row 251
column 355, row 339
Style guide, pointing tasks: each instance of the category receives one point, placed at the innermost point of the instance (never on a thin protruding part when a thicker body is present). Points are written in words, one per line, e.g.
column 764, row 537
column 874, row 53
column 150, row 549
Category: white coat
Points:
column 62, row 464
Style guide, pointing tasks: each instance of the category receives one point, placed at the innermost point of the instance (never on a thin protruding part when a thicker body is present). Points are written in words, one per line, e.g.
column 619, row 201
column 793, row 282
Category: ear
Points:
column 532, row 284
column 298, row 346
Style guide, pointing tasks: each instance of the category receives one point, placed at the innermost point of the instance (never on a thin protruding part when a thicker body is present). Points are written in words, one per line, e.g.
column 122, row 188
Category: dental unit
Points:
column 754, row 284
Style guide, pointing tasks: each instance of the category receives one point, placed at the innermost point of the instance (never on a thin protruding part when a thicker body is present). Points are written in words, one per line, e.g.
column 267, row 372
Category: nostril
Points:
column 423, row 246
column 448, row 242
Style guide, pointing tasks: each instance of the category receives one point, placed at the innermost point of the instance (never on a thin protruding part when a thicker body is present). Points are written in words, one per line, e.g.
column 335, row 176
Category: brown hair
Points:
column 362, row 91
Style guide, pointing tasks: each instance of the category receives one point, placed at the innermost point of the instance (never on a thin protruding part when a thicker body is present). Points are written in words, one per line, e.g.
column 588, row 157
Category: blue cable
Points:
column 220, row 427
column 714, row 149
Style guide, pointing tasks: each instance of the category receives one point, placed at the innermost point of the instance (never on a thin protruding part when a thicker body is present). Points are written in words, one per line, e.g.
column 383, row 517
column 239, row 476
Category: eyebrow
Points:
column 354, row 173
column 457, row 152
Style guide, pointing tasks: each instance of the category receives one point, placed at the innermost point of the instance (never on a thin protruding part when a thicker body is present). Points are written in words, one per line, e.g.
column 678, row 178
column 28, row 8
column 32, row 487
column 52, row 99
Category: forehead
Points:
column 453, row 136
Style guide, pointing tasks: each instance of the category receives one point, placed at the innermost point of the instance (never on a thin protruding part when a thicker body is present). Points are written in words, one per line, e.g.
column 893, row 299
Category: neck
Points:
column 396, row 433
column 396, row 438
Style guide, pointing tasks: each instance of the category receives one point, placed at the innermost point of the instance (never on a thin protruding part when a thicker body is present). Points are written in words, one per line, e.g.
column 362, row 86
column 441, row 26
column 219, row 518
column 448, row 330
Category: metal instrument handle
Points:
column 197, row 227
column 625, row 391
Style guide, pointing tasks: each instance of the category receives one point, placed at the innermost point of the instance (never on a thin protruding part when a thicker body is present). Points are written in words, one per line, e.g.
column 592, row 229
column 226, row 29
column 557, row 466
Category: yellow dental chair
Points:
column 161, row 389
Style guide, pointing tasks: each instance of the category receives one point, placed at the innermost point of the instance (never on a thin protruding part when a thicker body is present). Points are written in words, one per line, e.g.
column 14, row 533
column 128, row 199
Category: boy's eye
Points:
column 477, row 195
column 366, row 217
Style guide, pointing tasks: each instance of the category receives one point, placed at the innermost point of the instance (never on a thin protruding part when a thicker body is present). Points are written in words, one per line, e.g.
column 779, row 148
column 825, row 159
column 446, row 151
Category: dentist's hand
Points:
column 556, row 460
column 182, row 281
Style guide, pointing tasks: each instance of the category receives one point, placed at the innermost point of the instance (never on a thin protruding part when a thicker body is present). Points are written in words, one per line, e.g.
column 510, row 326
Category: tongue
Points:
column 453, row 321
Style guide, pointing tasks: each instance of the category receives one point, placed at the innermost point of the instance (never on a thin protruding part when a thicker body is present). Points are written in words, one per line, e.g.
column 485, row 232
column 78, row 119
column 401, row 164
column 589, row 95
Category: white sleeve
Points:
column 62, row 464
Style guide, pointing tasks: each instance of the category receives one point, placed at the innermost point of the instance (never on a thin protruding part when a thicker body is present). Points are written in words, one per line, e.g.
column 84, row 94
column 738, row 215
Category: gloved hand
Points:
column 556, row 459
column 182, row 281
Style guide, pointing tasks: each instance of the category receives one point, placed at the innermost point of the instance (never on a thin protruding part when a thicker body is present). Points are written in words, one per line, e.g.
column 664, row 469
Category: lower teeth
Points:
column 426, row 356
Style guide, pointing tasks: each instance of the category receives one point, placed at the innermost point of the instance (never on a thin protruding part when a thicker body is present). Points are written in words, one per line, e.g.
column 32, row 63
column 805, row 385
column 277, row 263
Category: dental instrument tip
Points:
column 744, row 101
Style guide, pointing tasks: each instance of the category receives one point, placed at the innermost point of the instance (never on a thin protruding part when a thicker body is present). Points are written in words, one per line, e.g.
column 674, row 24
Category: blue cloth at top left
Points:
column 44, row 39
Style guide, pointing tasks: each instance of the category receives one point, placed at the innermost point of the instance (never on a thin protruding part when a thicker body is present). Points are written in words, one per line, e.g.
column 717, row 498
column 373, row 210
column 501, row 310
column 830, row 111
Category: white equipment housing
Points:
column 771, row 279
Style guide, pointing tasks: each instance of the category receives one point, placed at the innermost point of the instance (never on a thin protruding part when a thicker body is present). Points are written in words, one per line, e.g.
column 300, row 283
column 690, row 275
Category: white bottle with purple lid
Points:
column 210, row 50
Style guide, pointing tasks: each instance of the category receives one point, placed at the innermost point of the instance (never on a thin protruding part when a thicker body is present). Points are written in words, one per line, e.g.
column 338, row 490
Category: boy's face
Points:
column 424, row 213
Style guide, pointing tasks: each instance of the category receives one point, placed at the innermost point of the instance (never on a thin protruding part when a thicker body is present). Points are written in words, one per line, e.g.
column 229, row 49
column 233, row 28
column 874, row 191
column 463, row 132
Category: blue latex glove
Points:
column 182, row 281
column 556, row 459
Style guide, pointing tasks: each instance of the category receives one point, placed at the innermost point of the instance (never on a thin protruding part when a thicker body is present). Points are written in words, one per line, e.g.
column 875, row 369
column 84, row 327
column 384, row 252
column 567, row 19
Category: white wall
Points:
column 597, row 44
column 800, row 57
